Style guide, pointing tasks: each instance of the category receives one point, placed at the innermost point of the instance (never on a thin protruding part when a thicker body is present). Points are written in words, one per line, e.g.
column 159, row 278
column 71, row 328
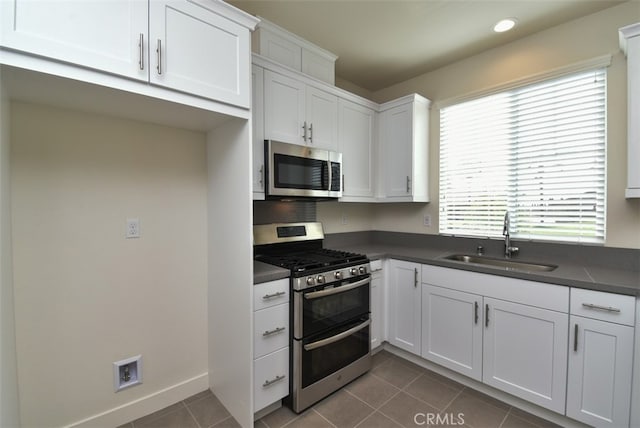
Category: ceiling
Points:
column 383, row 42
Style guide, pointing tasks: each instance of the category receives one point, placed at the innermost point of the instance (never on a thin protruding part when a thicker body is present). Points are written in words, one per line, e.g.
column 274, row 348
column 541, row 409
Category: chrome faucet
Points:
column 508, row 249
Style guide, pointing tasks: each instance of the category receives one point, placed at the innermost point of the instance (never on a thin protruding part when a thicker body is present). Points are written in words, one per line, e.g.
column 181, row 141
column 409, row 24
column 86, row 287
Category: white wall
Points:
column 9, row 406
column 579, row 40
column 84, row 295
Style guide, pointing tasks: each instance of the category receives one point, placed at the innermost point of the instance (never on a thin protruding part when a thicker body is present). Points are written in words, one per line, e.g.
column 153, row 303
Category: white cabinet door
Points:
column 630, row 37
column 100, row 34
column 321, row 115
column 396, row 127
column 284, row 106
column 525, row 352
column 404, row 305
column 377, row 309
column 356, row 133
column 452, row 329
column 257, row 116
column 197, row 51
column 600, row 372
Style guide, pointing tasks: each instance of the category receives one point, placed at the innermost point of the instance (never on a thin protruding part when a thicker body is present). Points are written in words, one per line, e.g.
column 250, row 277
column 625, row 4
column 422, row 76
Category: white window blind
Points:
column 537, row 151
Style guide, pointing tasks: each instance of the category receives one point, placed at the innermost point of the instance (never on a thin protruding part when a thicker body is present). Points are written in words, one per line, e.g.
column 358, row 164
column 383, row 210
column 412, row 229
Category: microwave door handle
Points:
column 337, row 337
column 328, row 175
column 330, row 291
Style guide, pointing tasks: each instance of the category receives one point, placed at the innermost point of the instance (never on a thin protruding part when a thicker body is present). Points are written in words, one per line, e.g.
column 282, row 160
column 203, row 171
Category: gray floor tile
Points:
column 515, row 422
column 343, row 409
column 230, row 422
column 310, row 419
column 143, row 421
column 404, row 409
column 378, row 420
column 372, row 390
column 129, row 425
column 279, row 418
column 432, row 392
column 478, row 411
column 396, row 373
column 208, row 411
column 179, row 418
column 380, row 357
column 539, row 422
column 198, row 396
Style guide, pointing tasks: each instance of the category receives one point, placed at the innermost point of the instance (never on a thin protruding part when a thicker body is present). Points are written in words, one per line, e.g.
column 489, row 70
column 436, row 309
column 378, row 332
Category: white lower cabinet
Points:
column 377, row 304
column 452, row 329
column 600, row 358
column 404, row 305
column 270, row 343
column 525, row 352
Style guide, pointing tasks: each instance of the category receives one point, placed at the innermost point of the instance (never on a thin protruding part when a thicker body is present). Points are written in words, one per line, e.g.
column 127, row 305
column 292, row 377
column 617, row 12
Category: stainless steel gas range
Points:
column 330, row 325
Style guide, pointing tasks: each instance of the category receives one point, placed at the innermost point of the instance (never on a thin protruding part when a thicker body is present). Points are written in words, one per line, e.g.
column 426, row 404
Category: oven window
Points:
column 321, row 362
column 292, row 172
column 327, row 312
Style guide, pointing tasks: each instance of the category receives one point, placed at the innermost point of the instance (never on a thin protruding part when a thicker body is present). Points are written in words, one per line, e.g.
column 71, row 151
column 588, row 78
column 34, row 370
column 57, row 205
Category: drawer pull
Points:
column 600, row 308
column 272, row 381
column 274, row 331
column 272, row 295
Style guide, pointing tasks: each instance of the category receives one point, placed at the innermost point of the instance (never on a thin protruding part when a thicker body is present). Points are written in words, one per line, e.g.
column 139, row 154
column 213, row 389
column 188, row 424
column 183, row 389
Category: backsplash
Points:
column 265, row 212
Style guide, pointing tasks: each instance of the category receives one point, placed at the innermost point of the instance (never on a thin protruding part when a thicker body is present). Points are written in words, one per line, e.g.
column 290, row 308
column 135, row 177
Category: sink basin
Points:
column 501, row 263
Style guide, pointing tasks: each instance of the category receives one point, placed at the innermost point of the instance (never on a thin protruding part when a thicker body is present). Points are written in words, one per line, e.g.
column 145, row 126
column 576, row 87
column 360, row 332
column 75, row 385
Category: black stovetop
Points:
column 312, row 260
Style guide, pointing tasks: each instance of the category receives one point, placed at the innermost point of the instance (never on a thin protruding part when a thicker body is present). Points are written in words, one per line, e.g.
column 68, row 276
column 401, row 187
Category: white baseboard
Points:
column 145, row 405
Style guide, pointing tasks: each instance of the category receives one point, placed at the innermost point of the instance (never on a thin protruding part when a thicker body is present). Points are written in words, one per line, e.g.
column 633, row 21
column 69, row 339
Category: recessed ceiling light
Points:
column 505, row 25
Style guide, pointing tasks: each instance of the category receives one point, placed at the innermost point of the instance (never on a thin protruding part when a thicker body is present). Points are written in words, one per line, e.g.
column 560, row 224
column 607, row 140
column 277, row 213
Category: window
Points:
column 537, row 151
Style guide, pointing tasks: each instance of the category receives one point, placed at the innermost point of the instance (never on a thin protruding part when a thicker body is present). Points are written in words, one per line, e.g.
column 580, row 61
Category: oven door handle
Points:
column 336, row 290
column 337, row 337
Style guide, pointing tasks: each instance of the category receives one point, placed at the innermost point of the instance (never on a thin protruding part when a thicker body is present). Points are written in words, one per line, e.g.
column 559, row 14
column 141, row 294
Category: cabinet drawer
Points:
column 270, row 293
column 270, row 378
column 603, row 306
column 270, row 329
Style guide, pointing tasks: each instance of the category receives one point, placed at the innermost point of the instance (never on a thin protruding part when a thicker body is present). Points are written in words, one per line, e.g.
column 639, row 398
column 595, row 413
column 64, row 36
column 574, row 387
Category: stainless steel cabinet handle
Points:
column 408, row 184
column 272, row 295
column 475, row 304
column 336, row 290
column 274, row 331
column 141, row 51
column 304, row 133
column 278, row 378
column 311, row 132
column 486, row 315
column 600, row 308
column 159, row 52
column 575, row 338
column 262, row 176
column 343, row 182
column 337, row 337
column 415, row 277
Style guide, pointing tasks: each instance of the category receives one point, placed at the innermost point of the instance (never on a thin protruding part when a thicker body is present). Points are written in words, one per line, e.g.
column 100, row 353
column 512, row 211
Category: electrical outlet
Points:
column 133, row 228
column 427, row 220
column 127, row 373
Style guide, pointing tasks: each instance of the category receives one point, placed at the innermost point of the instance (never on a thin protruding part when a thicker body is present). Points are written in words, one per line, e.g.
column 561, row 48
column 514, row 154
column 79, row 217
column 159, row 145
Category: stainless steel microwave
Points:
column 294, row 171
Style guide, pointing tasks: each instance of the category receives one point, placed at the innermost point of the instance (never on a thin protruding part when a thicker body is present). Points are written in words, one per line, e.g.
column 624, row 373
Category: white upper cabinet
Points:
column 630, row 42
column 297, row 113
column 356, row 141
column 107, row 35
column 403, row 162
column 188, row 46
column 199, row 52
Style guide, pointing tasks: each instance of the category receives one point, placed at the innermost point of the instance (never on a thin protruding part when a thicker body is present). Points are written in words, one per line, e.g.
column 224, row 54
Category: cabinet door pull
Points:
column 486, row 315
column 274, row 331
column 475, row 304
column 408, row 184
column 262, row 181
column 600, row 308
column 141, row 51
column 415, row 277
column 311, row 132
column 272, row 381
column 304, row 131
column 342, row 182
column 159, row 52
column 272, row 295
column 575, row 338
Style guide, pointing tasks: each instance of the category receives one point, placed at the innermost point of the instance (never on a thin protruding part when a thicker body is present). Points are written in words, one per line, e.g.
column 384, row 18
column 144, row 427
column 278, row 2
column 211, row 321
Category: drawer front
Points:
column 270, row 329
column 270, row 293
column 603, row 306
column 270, row 378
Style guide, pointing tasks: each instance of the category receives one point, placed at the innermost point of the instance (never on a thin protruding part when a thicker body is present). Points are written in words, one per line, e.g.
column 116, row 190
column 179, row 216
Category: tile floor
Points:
column 389, row 396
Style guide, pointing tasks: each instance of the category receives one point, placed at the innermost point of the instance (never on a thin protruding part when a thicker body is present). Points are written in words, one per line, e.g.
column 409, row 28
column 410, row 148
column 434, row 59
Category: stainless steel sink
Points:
column 501, row 263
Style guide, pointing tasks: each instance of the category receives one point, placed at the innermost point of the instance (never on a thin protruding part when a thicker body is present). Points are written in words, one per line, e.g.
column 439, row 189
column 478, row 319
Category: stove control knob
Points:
column 362, row 270
column 320, row 279
column 338, row 275
column 354, row 271
column 311, row 281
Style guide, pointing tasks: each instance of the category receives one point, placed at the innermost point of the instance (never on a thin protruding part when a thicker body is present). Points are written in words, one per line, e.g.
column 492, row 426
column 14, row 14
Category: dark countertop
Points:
column 263, row 272
column 569, row 273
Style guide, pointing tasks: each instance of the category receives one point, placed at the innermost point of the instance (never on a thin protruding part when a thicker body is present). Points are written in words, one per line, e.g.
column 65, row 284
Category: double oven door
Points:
column 331, row 338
